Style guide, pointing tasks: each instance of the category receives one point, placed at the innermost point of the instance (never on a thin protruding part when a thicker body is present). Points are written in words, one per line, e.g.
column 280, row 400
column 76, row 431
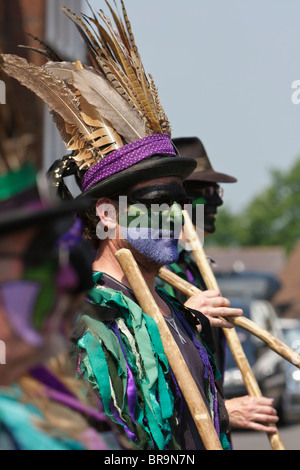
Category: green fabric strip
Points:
column 99, row 367
column 107, row 368
column 139, row 334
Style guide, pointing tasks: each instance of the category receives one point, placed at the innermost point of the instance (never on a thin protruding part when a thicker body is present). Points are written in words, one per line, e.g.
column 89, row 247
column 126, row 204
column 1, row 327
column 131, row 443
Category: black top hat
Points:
column 192, row 147
column 154, row 166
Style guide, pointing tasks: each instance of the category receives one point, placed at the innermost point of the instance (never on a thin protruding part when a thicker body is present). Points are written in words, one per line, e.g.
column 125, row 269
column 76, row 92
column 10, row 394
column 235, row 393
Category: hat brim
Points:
column 211, row 176
column 20, row 219
column 151, row 168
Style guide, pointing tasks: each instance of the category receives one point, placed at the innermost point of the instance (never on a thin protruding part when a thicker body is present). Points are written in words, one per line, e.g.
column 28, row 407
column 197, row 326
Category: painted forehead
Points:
column 153, row 191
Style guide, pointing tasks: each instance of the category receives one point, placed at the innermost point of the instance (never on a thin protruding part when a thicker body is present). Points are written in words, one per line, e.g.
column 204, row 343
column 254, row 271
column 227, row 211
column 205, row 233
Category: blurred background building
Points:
column 25, row 121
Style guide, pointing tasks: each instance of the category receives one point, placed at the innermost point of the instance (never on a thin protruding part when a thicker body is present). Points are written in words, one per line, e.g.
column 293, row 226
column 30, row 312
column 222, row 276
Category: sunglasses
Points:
column 209, row 191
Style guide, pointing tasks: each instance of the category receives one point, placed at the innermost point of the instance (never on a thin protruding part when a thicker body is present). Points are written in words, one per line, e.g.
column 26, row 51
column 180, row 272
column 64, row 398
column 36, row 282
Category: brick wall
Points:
column 23, row 112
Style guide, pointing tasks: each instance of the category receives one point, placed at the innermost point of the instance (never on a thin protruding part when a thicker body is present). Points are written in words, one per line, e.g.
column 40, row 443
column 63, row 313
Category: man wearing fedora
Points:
column 203, row 186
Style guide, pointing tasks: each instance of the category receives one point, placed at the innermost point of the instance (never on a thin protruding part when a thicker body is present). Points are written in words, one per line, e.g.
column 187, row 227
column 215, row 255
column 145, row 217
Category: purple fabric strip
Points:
column 94, row 440
column 208, row 371
column 129, row 433
column 202, row 351
column 126, row 156
column 178, row 392
column 57, row 391
column 72, row 236
column 131, row 390
column 75, row 404
column 190, row 277
column 47, row 378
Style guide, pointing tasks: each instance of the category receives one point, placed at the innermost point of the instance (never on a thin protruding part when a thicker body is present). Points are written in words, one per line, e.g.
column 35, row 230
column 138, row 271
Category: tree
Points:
column 271, row 218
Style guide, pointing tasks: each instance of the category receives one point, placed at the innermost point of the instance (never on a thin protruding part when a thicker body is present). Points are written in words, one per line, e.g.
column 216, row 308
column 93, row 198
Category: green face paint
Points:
column 199, row 200
column 157, row 217
column 155, row 207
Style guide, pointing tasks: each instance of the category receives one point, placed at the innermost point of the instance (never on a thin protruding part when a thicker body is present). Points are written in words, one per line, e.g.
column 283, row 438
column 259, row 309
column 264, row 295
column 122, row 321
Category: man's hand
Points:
column 254, row 413
column 213, row 305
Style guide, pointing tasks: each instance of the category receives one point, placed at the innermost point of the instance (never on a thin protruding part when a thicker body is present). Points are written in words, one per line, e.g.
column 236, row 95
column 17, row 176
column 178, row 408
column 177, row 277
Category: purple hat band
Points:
column 126, row 156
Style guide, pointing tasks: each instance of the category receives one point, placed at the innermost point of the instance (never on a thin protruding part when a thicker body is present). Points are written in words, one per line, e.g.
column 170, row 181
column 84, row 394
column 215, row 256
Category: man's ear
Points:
column 107, row 213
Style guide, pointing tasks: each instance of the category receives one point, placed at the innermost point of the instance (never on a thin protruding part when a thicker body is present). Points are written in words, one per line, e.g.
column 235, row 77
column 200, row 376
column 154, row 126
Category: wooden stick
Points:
column 183, row 376
column 230, row 334
column 271, row 341
column 210, row 281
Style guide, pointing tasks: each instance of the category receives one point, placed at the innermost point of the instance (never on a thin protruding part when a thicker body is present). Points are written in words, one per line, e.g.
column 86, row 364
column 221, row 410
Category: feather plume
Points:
column 96, row 90
column 49, row 88
column 47, row 50
column 96, row 109
column 90, row 139
column 99, row 93
column 117, row 56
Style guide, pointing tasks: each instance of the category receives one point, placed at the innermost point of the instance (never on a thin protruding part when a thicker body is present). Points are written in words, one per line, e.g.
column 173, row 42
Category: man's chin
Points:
column 161, row 253
column 209, row 224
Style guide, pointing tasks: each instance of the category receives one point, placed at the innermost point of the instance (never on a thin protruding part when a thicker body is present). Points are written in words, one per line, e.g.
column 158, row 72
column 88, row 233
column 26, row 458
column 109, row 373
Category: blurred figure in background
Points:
column 45, row 268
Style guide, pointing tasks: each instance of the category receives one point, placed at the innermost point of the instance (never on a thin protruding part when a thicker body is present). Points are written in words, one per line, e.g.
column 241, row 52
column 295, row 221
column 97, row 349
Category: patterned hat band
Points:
column 126, row 156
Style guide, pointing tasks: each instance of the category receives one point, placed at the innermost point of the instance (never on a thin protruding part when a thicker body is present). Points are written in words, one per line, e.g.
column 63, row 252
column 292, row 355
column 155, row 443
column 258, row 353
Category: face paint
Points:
column 157, row 239
column 164, row 221
column 211, row 204
column 160, row 250
column 153, row 224
column 164, row 193
column 156, row 207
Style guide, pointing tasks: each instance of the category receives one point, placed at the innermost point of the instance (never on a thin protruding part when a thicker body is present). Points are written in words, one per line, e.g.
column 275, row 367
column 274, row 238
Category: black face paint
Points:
column 160, row 194
column 211, row 204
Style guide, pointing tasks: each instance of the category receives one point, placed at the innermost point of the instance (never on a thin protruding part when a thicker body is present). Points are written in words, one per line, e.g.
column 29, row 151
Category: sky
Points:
column 225, row 70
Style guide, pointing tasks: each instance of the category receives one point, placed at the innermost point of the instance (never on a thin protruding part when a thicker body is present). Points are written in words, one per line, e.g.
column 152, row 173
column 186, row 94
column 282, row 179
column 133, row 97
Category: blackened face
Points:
column 209, row 194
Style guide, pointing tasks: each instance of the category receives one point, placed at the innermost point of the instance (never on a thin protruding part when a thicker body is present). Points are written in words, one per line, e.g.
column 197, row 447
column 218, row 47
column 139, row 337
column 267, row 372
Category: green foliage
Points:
column 271, row 218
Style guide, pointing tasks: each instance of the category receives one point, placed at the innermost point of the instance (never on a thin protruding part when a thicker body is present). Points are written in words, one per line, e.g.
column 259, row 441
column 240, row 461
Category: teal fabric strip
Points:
column 134, row 316
column 19, row 418
column 99, row 367
column 166, row 398
column 153, row 382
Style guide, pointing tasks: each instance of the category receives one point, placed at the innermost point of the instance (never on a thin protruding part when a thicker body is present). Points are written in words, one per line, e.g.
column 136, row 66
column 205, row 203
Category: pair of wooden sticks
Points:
column 191, row 393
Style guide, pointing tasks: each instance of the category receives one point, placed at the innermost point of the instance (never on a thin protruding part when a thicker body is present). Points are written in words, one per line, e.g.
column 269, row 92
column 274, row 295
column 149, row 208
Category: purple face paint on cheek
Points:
column 18, row 299
column 162, row 251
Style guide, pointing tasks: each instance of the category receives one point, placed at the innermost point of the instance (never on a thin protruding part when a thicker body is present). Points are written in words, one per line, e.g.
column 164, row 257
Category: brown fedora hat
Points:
column 192, row 147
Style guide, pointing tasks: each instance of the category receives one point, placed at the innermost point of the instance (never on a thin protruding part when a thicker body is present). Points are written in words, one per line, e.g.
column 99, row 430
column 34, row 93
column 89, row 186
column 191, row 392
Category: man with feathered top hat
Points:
column 111, row 119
